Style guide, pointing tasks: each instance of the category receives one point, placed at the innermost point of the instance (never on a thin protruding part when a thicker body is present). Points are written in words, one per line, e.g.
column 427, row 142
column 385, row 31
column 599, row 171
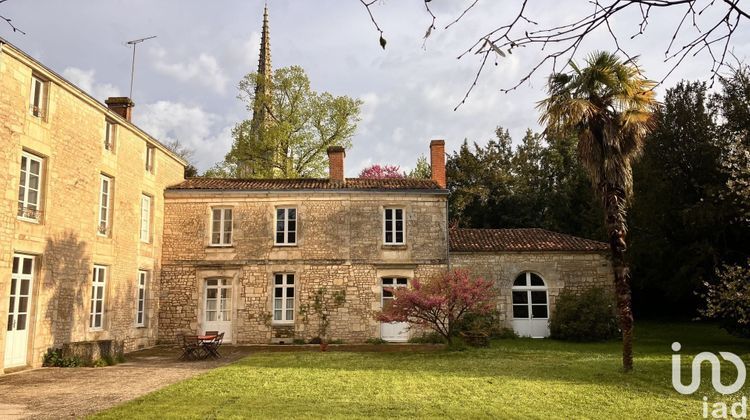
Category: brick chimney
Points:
column 121, row 105
column 437, row 162
column 336, row 155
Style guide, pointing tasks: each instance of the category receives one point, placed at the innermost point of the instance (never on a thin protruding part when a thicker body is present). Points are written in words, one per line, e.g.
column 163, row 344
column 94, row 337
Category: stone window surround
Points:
column 210, row 219
column 149, row 159
column 42, row 106
column 141, row 309
column 106, row 224
column 42, row 184
column 284, row 285
column 406, row 211
column 110, row 135
column 287, row 206
column 149, row 219
column 203, row 274
column 104, row 299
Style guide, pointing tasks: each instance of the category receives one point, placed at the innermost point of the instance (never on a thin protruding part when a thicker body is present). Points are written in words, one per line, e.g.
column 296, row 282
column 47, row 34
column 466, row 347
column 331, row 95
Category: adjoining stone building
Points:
column 82, row 214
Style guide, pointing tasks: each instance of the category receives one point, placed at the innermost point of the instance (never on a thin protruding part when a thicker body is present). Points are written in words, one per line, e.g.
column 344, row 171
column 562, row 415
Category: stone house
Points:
column 102, row 238
column 82, row 215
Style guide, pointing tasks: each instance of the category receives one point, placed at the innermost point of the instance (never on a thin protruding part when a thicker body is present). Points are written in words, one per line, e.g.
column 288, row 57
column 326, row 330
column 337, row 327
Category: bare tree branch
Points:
column 709, row 33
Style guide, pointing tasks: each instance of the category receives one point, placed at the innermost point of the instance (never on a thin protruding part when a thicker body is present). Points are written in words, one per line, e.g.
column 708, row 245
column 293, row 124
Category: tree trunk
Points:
column 614, row 206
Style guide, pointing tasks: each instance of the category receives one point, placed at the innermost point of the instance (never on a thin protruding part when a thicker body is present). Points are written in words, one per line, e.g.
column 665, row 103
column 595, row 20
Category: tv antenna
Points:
column 135, row 43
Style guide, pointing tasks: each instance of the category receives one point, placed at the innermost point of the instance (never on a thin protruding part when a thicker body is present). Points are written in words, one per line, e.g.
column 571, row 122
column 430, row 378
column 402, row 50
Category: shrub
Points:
column 728, row 300
column 376, row 341
column 442, row 302
column 427, row 338
column 588, row 316
column 54, row 358
column 487, row 323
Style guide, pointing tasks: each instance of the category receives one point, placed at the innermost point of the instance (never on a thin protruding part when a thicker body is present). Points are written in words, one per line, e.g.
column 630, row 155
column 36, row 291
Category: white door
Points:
column 393, row 331
column 17, row 336
column 530, row 306
column 217, row 308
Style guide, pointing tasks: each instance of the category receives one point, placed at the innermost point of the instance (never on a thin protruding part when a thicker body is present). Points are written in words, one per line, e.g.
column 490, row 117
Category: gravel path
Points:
column 76, row 392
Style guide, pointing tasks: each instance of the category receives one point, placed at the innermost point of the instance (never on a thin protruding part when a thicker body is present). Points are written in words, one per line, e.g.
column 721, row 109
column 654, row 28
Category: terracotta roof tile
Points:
column 305, row 184
column 533, row 239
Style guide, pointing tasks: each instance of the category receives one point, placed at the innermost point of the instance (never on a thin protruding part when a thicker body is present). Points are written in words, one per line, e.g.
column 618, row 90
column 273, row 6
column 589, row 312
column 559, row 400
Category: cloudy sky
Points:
column 186, row 78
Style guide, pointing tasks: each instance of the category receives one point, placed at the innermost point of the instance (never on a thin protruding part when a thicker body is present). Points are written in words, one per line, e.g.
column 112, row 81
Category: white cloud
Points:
column 86, row 80
column 203, row 69
column 207, row 134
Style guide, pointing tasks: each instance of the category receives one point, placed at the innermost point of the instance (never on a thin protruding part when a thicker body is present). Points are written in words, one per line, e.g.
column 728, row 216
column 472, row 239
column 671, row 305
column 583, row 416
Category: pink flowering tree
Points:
column 442, row 302
column 380, row 172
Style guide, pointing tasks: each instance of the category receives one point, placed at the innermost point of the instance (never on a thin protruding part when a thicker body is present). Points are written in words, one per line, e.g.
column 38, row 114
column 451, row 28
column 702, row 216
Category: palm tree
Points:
column 610, row 105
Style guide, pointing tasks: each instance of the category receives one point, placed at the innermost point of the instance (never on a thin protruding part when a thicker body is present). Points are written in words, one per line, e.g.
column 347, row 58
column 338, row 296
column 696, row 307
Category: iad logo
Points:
column 695, row 380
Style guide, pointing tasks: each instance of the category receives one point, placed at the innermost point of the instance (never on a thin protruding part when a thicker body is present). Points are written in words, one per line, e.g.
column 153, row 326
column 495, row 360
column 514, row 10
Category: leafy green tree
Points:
column 479, row 181
column 679, row 221
column 422, row 170
column 299, row 125
column 609, row 105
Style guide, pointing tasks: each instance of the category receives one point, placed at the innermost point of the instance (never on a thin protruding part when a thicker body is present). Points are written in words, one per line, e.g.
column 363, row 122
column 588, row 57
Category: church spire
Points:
column 264, row 59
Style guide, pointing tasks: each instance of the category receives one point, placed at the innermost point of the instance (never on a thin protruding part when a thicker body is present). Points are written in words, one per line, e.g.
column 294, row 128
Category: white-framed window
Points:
column 221, row 226
column 98, row 284
column 140, row 299
column 389, row 285
column 30, row 187
column 530, row 297
column 283, row 298
column 37, row 97
column 286, row 226
column 393, row 226
column 105, row 200
column 145, row 218
column 150, row 154
column 109, row 135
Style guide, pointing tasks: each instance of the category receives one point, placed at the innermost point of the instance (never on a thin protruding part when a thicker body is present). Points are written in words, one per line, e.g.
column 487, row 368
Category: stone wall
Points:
column 69, row 138
column 339, row 246
column 560, row 270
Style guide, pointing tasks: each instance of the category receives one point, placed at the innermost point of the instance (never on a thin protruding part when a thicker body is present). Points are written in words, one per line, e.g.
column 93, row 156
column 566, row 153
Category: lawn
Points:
column 513, row 378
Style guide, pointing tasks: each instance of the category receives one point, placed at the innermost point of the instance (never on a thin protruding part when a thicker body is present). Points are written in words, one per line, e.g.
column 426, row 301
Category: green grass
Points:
column 514, row 378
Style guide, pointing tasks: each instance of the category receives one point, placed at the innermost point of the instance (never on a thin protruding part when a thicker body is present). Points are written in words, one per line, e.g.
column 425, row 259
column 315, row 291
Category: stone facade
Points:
column 339, row 247
column 68, row 137
column 574, row 271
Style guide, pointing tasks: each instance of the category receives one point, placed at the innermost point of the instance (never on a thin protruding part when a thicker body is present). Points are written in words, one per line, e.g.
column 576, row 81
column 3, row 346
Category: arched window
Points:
column 530, row 297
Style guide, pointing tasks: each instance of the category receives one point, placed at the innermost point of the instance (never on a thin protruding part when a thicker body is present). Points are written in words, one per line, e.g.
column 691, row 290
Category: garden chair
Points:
column 212, row 347
column 191, row 348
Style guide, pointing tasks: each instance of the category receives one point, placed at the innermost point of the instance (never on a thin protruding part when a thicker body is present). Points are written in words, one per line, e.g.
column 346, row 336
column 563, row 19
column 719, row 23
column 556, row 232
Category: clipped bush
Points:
column 586, row 316
column 427, row 338
column 375, row 341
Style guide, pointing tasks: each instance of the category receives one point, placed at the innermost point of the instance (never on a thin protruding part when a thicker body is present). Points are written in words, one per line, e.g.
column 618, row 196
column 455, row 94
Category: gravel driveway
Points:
column 76, row 392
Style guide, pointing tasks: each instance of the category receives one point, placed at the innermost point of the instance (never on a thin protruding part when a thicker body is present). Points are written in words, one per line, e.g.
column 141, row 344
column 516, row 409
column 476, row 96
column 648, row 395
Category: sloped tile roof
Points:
column 519, row 240
column 361, row 184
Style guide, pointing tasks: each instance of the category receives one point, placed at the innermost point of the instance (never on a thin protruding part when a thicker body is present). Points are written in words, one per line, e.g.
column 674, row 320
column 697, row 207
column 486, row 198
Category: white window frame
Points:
column 24, row 205
column 150, row 158
column 37, row 104
column 145, row 218
column 393, row 229
column 285, row 231
column 98, row 295
column 110, row 130
column 140, row 298
column 281, row 305
column 528, row 289
column 105, row 205
column 224, row 222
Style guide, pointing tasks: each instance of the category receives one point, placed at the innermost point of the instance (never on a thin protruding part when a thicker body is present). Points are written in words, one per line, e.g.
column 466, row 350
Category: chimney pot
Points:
column 336, row 155
column 437, row 162
column 122, row 105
